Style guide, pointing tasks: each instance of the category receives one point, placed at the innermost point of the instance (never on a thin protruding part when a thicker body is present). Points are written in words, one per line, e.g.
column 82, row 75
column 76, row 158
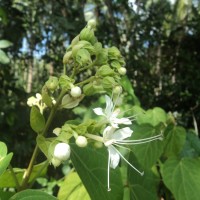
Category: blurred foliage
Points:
column 158, row 39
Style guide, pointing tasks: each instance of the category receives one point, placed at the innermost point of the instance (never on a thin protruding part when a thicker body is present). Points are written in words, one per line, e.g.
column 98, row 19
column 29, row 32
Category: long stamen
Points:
column 141, row 173
column 120, row 146
column 160, row 137
column 108, row 175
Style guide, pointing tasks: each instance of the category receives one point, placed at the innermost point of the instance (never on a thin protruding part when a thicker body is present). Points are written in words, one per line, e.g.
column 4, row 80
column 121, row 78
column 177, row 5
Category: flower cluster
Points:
column 114, row 137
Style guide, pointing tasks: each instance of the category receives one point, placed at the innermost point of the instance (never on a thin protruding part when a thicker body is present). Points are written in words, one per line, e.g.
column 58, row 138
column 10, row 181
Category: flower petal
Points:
column 122, row 133
column 114, row 157
column 122, row 121
column 109, row 106
column 98, row 111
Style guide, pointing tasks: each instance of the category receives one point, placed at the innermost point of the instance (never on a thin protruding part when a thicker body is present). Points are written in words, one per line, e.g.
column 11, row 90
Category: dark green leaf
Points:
column 91, row 165
column 174, row 141
column 32, row 195
column 182, row 177
column 141, row 187
column 147, row 153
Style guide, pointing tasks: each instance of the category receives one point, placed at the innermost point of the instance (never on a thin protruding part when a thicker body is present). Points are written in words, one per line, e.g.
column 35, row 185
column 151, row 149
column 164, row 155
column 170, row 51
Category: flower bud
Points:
column 92, row 23
column 81, row 141
column 87, row 34
column 67, row 57
column 76, row 91
column 55, row 162
column 52, row 83
column 62, row 151
column 117, row 89
column 122, row 70
column 57, row 131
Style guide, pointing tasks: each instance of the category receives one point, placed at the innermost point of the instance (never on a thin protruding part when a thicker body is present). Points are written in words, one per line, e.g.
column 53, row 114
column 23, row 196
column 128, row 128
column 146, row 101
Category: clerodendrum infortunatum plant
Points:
column 102, row 69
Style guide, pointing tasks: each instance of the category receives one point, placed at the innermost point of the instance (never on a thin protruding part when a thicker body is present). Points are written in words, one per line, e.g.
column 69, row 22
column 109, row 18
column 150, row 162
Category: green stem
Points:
column 94, row 137
column 39, row 172
column 86, row 81
column 14, row 177
column 64, row 69
column 29, row 170
column 88, row 67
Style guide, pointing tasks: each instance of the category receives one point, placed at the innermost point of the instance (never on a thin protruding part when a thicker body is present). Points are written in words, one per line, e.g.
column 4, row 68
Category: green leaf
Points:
column 126, row 84
column 3, row 57
column 147, row 153
column 141, row 187
column 44, row 145
column 72, row 188
column 5, row 44
column 5, row 195
column 192, row 145
column 91, row 165
column 182, row 177
column 37, row 120
column 7, row 181
column 3, row 149
column 4, row 162
column 32, row 195
column 152, row 116
column 174, row 141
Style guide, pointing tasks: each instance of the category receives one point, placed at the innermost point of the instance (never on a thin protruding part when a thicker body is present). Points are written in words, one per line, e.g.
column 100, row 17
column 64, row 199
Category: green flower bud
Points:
column 87, row 34
column 52, row 83
column 81, row 141
column 102, row 57
column 57, row 131
column 122, row 70
column 92, row 23
column 76, row 92
column 67, row 57
column 55, row 162
column 83, row 57
column 117, row 89
column 70, row 102
column 75, row 41
column 105, row 70
column 114, row 53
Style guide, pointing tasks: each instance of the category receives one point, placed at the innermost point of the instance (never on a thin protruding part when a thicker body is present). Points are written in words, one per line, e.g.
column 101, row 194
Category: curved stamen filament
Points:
column 141, row 173
column 108, row 175
column 160, row 137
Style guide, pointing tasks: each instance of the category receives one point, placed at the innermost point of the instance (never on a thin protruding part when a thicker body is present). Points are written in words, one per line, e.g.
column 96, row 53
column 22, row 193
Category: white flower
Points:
column 110, row 113
column 112, row 138
column 36, row 101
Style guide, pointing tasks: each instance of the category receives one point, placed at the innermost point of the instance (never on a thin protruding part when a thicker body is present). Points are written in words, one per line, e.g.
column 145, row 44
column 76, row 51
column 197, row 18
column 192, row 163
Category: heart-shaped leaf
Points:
column 91, row 165
column 182, row 177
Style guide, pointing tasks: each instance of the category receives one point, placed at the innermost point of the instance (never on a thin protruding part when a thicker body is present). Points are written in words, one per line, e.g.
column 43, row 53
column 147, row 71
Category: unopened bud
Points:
column 92, row 23
column 67, row 57
column 81, row 141
column 62, row 151
column 55, row 162
column 122, row 70
column 57, row 131
column 76, row 91
column 117, row 89
column 52, row 83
